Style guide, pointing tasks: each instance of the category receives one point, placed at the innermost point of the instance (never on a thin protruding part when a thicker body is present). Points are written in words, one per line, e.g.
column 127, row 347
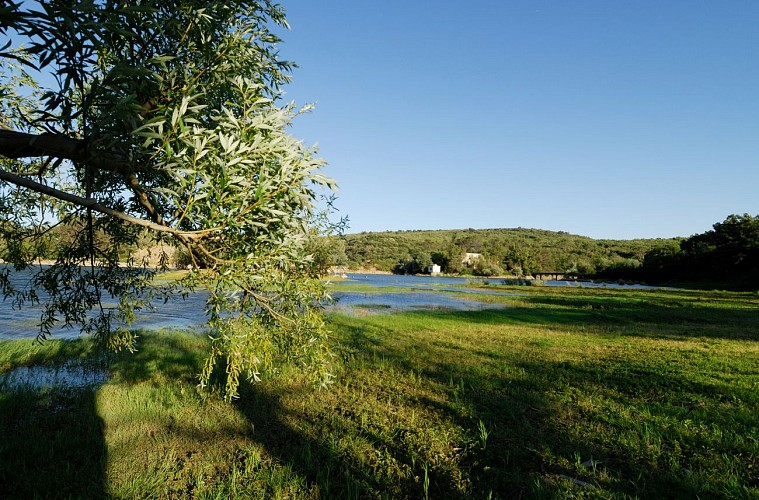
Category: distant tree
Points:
column 731, row 248
column 585, row 268
column 518, row 259
column 485, row 266
column 469, row 241
column 405, row 265
column 424, row 260
column 737, row 239
column 454, row 254
column 621, row 268
column 660, row 262
column 441, row 259
column 416, row 263
column 728, row 254
column 166, row 116
column 325, row 252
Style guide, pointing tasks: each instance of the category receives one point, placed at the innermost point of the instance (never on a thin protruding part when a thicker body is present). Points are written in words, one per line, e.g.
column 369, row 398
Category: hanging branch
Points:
column 94, row 205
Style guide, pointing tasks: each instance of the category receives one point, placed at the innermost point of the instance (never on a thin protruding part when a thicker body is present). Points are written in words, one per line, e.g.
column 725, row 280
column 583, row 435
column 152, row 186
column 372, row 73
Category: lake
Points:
column 190, row 312
column 421, row 293
column 438, row 282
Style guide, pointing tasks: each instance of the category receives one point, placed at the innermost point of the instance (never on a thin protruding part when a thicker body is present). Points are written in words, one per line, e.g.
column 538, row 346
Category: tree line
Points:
column 727, row 255
column 517, row 251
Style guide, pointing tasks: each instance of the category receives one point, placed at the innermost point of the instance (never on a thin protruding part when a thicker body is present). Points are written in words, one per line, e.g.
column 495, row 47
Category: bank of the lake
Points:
column 561, row 392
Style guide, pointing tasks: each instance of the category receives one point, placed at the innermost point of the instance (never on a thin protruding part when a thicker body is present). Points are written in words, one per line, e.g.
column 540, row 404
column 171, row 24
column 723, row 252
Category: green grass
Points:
column 563, row 393
column 168, row 276
column 347, row 286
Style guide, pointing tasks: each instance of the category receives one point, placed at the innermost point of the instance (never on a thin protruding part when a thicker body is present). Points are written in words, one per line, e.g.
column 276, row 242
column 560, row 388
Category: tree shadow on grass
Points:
column 542, row 432
column 52, row 444
column 283, row 448
column 563, row 425
column 615, row 315
column 173, row 357
column 554, row 417
column 539, row 422
column 323, row 458
column 738, row 312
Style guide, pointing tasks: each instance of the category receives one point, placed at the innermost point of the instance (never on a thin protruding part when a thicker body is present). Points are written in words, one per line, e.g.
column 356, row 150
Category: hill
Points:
column 517, row 250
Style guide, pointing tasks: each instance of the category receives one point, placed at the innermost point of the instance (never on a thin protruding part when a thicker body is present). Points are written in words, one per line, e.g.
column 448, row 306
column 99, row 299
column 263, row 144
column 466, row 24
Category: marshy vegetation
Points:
column 563, row 392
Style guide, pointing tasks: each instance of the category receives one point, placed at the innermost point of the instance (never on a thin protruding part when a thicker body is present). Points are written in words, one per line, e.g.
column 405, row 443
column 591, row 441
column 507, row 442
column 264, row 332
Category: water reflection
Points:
column 66, row 376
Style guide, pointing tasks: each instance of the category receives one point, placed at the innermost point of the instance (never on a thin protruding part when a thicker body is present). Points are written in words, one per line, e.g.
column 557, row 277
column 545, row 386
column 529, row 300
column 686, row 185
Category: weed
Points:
column 426, row 483
column 483, row 435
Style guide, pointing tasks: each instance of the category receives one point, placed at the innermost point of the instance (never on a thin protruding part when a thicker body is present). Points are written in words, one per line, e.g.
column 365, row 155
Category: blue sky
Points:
column 607, row 119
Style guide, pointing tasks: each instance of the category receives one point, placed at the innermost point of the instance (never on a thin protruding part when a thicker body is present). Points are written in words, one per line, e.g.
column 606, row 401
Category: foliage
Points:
column 519, row 251
column 166, row 116
column 416, row 263
column 484, row 266
column 727, row 255
column 324, row 248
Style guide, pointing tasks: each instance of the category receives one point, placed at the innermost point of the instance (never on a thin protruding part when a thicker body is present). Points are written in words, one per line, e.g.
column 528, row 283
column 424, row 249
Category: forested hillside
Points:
column 519, row 251
column 726, row 256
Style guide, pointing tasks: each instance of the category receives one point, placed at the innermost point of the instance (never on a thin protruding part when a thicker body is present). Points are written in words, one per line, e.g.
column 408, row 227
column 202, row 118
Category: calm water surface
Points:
column 423, row 294
column 440, row 282
column 189, row 313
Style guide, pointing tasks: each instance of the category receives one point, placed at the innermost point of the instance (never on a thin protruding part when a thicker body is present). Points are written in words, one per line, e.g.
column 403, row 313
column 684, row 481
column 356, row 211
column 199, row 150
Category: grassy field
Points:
column 563, row 393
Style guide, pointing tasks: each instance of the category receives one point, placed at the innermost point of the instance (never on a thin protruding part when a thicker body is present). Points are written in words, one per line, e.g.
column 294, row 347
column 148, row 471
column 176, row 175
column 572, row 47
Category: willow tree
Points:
column 125, row 116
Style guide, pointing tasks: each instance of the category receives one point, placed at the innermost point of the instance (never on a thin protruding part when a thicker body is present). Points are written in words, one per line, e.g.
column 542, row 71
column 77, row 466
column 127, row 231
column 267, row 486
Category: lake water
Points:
column 441, row 282
column 420, row 293
column 23, row 322
column 189, row 313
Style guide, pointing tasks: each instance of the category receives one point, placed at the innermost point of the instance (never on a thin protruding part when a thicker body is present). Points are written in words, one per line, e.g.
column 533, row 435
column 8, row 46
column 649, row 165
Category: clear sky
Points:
column 620, row 119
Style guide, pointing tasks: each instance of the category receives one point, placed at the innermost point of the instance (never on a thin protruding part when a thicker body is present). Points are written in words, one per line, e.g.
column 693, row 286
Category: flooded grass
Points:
column 390, row 302
column 377, row 307
column 48, row 420
column 562, row 393
column 69, row 376
column 347, row 286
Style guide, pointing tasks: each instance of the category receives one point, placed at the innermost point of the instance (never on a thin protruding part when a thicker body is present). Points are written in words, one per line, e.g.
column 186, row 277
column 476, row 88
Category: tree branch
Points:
column 143, row 198
column 16, row 145
column 94, row 205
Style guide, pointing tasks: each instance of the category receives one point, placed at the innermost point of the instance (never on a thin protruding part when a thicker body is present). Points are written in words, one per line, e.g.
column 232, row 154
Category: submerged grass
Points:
column 353, row 287
column 565, row 393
